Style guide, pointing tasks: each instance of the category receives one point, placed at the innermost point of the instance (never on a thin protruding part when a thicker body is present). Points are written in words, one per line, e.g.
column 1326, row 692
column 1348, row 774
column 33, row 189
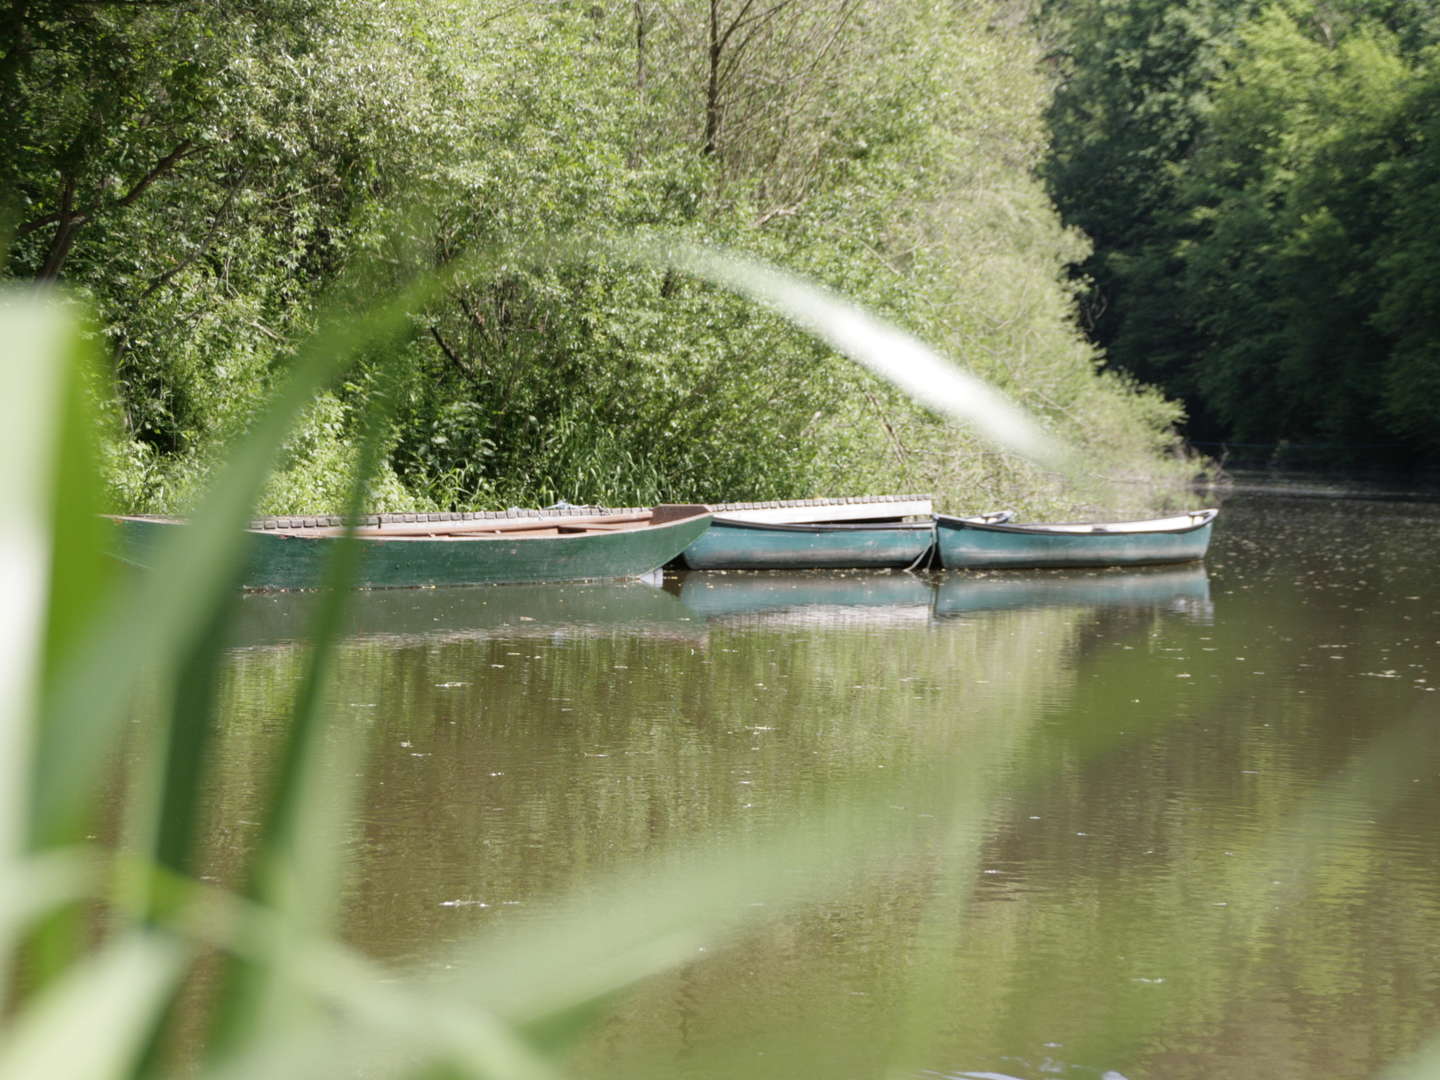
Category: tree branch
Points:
column 69, row 219
column 759, row 19
column 163, row 166
column 895, row 444
column 641, row 28
column 65, row 235
column 37, row 223
column 779, row 211
column 471, row 314
column 202, row 247
column 460, row 365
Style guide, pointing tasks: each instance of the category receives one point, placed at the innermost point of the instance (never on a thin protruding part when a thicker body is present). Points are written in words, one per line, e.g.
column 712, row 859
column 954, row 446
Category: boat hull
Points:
column 279, row 561
column 744, row 545
column 966, row 545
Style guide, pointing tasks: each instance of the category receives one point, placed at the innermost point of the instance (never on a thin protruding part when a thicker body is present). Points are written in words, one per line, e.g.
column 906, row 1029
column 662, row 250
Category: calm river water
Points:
column 1098, row 825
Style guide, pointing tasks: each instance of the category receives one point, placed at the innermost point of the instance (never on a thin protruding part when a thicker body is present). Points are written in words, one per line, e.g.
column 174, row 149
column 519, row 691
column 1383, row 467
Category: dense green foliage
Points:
column 216, row 174
column 1265, row 242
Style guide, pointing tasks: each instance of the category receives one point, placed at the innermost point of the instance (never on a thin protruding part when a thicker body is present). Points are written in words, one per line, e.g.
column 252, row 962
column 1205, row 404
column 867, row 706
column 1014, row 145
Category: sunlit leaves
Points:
column 888, row 162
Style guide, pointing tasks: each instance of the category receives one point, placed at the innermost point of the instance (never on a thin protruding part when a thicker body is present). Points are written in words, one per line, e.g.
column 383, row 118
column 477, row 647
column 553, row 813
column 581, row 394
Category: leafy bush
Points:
column 258, row 159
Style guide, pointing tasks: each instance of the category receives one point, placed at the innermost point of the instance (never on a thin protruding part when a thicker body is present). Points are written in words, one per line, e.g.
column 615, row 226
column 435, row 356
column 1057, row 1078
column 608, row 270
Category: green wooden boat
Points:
column 749, row 545
column 871, row 533
column 969, row 544
column 449, row 549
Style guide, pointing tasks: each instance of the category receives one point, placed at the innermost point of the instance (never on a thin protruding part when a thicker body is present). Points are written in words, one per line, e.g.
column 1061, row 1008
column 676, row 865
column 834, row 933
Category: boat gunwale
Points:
column 823, row 526
column 474, row 529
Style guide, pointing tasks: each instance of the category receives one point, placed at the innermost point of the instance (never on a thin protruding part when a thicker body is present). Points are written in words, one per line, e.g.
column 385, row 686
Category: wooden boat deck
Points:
column 800, row 511
column 515, row 529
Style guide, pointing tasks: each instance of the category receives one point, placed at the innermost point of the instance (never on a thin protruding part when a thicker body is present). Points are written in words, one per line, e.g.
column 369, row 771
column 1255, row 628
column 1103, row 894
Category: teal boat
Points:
column 448, row 549
column 867, row 533
column 750, row 545
column 970, row 544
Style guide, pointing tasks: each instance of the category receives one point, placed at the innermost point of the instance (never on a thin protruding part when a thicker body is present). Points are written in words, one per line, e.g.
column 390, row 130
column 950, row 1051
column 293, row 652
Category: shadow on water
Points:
column 1272, row 485
column 1183, row 590
column 804, row 595
column 636, row 607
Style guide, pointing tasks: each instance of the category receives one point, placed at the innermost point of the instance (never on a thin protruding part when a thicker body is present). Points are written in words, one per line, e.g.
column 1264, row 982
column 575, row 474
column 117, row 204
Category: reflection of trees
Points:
column 680, row 723
column 492, row 784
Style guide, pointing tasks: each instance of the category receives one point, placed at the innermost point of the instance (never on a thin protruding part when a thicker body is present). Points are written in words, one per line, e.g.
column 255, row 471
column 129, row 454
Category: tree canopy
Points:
column 1269, row 270
column 214, row 174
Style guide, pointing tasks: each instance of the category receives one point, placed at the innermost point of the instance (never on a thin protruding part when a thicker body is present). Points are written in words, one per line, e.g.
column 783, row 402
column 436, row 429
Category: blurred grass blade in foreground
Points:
column 32, row 377
column 894, row 355
column 51, row 566
column 153, row 622
column 297, row 866
column 92, row 1023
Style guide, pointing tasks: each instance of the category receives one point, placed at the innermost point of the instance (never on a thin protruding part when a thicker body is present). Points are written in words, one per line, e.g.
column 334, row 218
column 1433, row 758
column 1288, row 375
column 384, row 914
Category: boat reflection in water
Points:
column 463, row 612
column 804, row 596
column 1183, row 591
column 689, row 600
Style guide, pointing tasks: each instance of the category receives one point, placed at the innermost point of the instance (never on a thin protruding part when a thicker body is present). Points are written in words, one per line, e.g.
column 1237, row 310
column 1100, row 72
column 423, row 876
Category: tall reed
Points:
column 99, row 939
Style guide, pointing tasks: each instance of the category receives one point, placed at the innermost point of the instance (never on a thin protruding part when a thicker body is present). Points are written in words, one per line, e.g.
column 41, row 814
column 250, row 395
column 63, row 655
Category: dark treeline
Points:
column 212, row 175
column 1262, row 185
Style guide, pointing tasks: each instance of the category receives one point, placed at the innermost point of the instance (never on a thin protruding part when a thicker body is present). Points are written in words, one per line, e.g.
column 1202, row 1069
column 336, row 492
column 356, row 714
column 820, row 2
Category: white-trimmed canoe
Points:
column 874, row 533
column 968, row 544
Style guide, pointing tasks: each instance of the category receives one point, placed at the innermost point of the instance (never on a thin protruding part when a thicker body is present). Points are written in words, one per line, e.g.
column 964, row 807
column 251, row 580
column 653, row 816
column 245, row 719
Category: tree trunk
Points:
column 640, row 31
column 67, row 224
column 712, row 87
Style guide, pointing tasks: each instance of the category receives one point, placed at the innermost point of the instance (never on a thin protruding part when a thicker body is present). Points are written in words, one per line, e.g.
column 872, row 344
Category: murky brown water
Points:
column 1174, row 824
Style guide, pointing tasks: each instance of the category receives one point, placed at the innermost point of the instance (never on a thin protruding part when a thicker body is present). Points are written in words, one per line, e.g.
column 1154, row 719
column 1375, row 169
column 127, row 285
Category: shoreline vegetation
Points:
column 1259, row 180
column 215, row 180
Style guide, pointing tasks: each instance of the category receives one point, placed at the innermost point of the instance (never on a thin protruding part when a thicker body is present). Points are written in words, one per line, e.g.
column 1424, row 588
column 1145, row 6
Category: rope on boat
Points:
column 924, row 556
